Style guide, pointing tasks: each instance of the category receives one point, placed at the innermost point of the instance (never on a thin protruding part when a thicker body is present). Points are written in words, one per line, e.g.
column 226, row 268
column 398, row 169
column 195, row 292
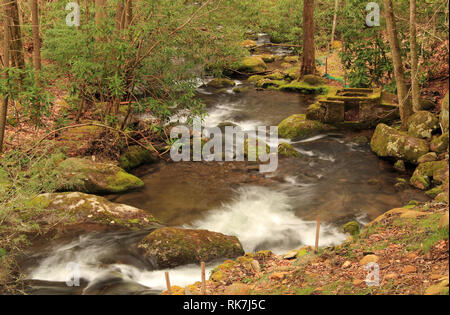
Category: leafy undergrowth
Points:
column 410, row 246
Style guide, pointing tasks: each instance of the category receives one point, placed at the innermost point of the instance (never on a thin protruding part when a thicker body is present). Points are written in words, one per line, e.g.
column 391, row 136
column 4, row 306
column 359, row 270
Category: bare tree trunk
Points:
column 15, row 35
column 100, row 11
column 129, row 12
column 402, row 91
column 120, row 15
column 36, row 38
column 333, row 30
column 414, row 59
column 6, row 52
column 309, row 54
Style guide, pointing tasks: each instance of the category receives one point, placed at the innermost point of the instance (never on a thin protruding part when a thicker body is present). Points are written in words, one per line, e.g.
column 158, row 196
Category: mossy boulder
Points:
column 221, row 83
column 268, row 58
column 351, row 228
column 255, row 78
column 252, row 64
column 316, row 112
column 429, row 157
column 266, row 83
column 171, row 247
column 440, row 143
column 252, row 150
column 425, row 104
column 422, row 124
column 241, row 89
column 288, row 150
column 426, row 172
column 292, row 73
column 87, row 176
column 292, row 59
column 443, row 117
column 297, row 126
column 74, row 210
column 275, row 76
column 136, row 156
column 434, row 192
column 400, row 166
column 389, row 142
column 313, row 80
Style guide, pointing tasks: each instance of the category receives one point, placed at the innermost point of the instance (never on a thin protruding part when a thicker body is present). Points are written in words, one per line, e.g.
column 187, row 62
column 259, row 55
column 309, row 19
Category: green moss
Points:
column 304, row 88
column 440, row 144
column 275, row 76
column 287, row 150
column 297, row 126
column 313, row 80
column 434, row 192
column 252, row 64
column 292, row 73
column 316, row 112
column 389, row 142
column 221, row 83
column 92, row 177
column 255, row 78
column 171, row 247
column 352, row 228
column 134, row 157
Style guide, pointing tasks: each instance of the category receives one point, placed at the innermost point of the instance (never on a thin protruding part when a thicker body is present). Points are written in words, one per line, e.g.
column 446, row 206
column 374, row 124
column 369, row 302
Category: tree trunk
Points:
column 120, row 15
column 414, row 59
column 100, row 11
column 15, row 35
column 309, row 57
column 129, row 13
column 36, row 38
column 6, row 52
column 402, row 91
column 333, row 30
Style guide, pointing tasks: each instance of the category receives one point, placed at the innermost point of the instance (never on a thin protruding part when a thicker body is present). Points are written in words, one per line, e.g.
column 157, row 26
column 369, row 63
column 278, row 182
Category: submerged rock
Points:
column 389, row 142
column 297, row 126
column 422, row 124
column 78, row 209
column 221, row 83
column 288, row 150
column 170, row 247
column 87, row 176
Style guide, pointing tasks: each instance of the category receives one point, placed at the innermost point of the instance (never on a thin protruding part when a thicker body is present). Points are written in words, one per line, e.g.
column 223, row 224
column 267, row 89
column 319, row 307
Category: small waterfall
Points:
column 262, row 218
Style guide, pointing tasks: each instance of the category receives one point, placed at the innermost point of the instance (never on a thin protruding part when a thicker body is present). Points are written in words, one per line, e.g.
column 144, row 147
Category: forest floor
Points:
column 409, row 245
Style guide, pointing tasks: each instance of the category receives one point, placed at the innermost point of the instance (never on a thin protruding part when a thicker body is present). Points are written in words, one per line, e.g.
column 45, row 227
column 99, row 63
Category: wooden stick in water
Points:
column 169, row 288
column 316, row 248
column 202, row 264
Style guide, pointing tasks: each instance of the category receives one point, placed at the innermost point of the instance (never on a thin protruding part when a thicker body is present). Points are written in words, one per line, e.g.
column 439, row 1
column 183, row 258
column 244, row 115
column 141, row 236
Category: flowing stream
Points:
column 336, row 178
